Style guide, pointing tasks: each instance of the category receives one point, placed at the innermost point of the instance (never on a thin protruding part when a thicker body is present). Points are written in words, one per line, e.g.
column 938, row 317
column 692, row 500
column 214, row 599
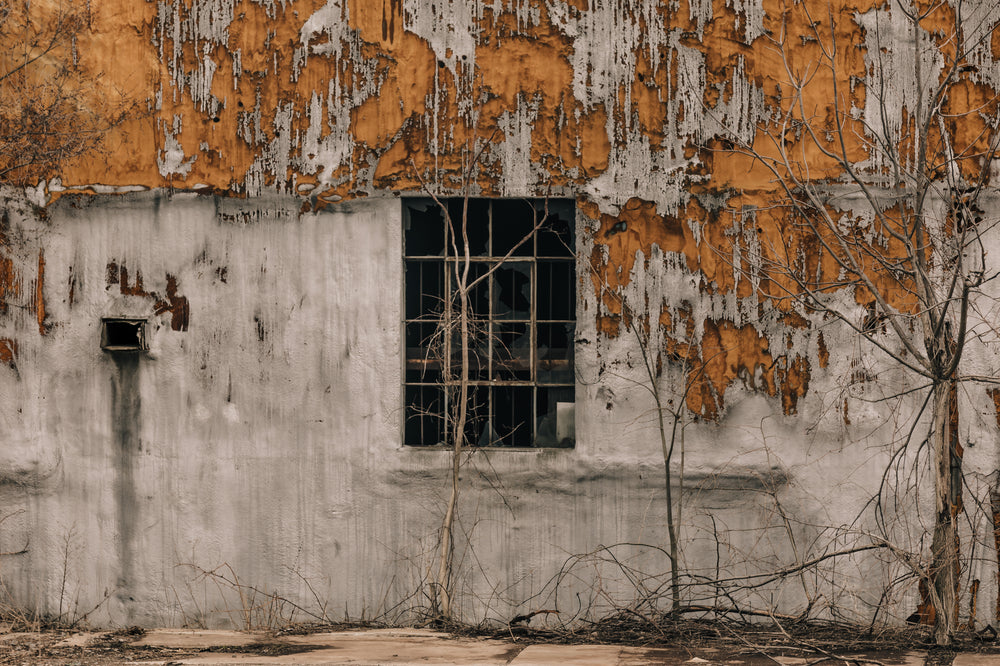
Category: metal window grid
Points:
column 493, row 321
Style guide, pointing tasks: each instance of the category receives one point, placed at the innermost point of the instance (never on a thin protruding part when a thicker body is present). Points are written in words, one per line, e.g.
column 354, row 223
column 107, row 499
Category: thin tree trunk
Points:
column 444, row 570
column 944, row 543
column 675, row 586
column 668, row 454
column 458, row 435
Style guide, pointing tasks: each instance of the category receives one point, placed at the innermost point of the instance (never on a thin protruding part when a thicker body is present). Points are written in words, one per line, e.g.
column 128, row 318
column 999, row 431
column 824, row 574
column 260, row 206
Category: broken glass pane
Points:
column 477, row 227
column 513, row 220
column 556, row 417
column 512, row 291
column 556, row 293
column 555, row 354
column 555, row 238
column 511, row 415
column 424, row 416
column 512, row 352
column 479, row 352
column 476, row 415
column 424, row 287
column 479, row 295
column 423, row 352
column 424, row 228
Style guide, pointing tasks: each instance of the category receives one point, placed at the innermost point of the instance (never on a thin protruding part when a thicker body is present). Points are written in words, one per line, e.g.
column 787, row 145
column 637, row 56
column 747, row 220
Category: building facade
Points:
column 220, row 325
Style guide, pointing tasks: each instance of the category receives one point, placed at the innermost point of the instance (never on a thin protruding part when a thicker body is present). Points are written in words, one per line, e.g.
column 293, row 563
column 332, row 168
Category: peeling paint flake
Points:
column 171, row 159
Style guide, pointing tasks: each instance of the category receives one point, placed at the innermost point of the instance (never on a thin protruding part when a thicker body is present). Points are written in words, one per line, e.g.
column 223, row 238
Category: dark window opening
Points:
column 522, row 328
column 123, row 335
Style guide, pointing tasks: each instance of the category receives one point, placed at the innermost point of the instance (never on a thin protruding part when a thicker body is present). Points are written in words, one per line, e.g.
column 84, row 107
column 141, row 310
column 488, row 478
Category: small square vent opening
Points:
column 123, row 335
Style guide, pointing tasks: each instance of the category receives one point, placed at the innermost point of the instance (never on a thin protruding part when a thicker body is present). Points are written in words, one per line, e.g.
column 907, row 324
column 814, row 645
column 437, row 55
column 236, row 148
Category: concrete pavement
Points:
column 418, row 646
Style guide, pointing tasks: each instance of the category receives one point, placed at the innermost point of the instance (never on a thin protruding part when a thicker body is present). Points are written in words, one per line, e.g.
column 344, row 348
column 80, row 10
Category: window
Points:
column 522, row 321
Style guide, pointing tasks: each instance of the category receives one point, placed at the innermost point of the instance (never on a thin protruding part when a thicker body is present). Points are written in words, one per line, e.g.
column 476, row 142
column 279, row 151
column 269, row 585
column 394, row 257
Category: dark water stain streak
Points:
column 126, row 429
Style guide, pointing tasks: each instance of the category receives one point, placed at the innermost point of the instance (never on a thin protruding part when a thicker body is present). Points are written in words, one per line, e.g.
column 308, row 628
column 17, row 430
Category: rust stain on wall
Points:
column 119, row 275
column 174, row 303
column 8, row 351
column 38, row 301
column 10, row 281
column 823, row 354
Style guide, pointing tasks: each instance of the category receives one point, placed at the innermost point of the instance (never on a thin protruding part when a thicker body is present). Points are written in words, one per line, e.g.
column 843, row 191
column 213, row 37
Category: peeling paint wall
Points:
column 249, row 212
column 612, row 99
column 262, row 429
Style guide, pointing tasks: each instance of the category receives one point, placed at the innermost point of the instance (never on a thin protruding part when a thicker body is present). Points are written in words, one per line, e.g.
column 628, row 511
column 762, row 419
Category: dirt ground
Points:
column 64, row 647
column 688, row 643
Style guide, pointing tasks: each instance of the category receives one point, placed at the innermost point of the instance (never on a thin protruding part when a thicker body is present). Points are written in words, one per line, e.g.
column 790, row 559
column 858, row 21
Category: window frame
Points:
column 550, row 381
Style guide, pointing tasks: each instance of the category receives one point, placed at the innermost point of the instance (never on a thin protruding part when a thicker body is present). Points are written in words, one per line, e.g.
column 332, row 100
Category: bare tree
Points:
column 658, row 351
column 670, row 415
column 51, row 110
column 457, row 331
column 898, row 142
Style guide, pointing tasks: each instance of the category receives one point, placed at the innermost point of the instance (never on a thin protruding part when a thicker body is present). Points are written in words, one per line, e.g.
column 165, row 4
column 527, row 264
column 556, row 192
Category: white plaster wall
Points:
column 267, row 441
column 253, row 423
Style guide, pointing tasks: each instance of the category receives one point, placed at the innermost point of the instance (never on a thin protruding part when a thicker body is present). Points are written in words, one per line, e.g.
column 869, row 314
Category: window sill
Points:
column 490, row 449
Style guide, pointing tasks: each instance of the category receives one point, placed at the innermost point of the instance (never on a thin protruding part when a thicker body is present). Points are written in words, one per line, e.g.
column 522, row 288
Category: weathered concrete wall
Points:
column 246, row 421
column 261, row 433
column 262, row 430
